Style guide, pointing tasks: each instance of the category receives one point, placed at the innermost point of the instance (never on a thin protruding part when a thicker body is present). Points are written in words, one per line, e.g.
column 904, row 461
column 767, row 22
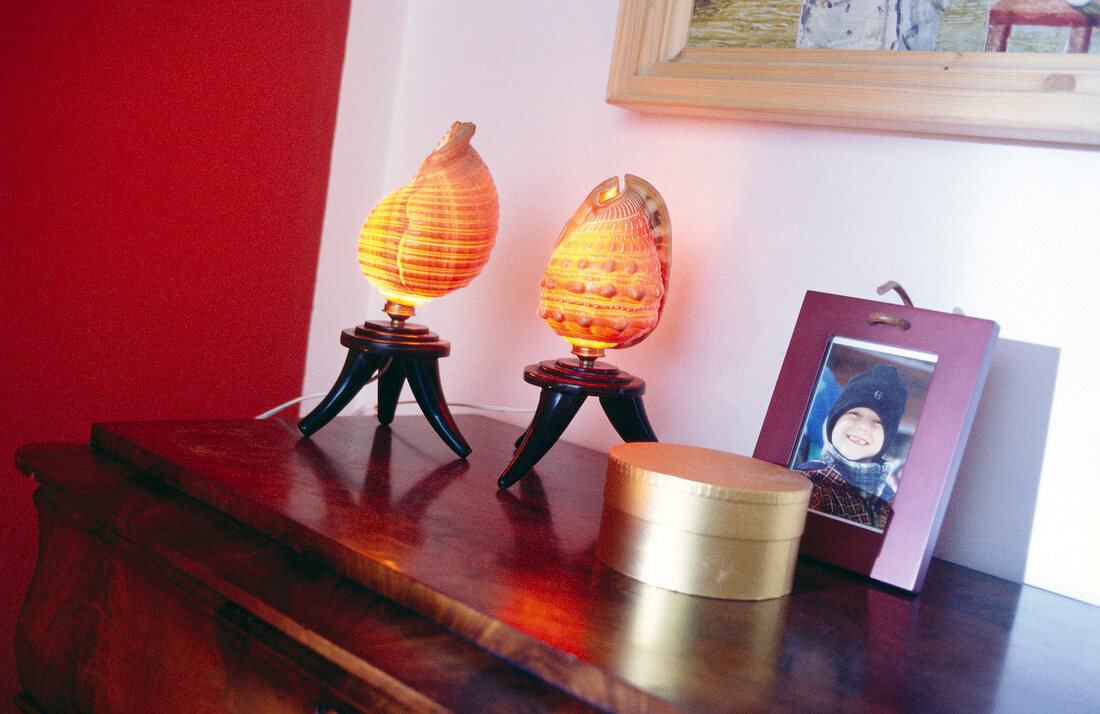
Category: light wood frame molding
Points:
column 1020, row 97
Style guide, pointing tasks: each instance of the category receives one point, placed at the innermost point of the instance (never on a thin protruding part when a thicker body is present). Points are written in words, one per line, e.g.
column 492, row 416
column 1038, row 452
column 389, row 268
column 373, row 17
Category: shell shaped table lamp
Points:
column 422, row 241
column 604, row 288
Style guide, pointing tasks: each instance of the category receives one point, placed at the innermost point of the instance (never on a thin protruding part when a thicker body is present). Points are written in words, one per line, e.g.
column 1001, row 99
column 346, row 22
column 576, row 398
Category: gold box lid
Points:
column 706, row 491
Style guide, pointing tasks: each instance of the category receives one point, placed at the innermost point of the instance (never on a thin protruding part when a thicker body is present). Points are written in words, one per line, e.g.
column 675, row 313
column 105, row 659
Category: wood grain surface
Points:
column 145, row 600
column 367, row 568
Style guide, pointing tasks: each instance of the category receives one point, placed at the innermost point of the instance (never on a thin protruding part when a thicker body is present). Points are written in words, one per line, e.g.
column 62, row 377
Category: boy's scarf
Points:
column 869, row 476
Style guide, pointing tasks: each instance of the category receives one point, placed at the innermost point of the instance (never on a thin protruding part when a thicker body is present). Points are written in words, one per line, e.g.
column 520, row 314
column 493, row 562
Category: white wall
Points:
column 357, row 181
column 760, row 214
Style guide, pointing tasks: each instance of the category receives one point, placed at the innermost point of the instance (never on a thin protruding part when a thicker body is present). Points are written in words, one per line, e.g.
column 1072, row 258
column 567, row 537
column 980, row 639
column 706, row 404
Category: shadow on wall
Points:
column 989, row 517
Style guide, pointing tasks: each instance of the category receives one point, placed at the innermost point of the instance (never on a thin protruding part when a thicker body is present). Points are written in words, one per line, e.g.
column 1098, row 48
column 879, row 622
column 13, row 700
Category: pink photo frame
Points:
column 928, row 368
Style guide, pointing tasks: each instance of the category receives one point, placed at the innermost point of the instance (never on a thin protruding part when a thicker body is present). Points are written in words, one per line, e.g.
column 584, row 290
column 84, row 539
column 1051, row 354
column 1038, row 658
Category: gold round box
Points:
column 702, row 521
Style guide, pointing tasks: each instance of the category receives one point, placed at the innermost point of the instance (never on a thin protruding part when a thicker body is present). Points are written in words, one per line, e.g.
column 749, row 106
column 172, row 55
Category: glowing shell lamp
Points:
column 422, row 241
column 604, row 288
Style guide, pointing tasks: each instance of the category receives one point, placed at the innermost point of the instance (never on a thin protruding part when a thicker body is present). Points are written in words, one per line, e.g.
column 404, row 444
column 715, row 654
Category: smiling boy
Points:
column 850, row 476
column 858, row 434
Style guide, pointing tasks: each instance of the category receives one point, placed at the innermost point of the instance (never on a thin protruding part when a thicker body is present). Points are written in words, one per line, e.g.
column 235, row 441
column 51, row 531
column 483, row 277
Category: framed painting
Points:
column 1048, row 97
column 874, row 403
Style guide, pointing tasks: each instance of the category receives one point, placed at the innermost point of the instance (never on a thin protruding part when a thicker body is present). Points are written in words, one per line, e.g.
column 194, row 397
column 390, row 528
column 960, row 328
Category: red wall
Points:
column 162, row 180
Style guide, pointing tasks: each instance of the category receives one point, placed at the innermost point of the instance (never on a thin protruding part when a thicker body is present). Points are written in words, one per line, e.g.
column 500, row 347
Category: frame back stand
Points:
column 566, row 383
column 403, row 352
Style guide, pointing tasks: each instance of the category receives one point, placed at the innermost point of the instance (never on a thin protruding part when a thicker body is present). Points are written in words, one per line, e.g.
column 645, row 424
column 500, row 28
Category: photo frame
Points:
column 1029, row 97
column 921, row 373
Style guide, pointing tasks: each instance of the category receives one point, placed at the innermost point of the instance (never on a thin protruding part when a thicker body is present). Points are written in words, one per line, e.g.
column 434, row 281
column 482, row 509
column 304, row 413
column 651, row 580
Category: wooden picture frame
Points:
column 1032, row 97
column 942, row 359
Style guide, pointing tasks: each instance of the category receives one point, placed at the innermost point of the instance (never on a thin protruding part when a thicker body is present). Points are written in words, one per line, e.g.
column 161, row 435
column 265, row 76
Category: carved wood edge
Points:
column 559, row 668
column 222, row 602
column 363, row 686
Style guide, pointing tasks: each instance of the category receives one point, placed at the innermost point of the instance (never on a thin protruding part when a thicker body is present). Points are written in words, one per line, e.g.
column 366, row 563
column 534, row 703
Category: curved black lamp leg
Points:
column 357, row 371
column 389, row 389
column 553, row 414
column 524, row 434
column 423, row 376
column 627, row 415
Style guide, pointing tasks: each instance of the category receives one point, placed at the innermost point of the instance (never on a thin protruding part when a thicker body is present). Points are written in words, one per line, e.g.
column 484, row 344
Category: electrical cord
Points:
column 362, row 410
column 292, row 402
column 485, row 407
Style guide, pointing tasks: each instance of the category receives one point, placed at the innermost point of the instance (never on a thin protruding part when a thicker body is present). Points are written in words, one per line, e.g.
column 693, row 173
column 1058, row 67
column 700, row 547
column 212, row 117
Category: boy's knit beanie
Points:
column 880, row 389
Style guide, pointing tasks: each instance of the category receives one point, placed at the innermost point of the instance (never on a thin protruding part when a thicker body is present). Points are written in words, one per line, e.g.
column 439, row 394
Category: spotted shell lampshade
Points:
column 433, row 235
column 605, row 282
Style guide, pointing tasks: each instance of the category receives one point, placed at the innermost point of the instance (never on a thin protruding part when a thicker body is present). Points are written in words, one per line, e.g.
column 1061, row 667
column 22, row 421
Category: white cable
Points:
column 489, row 408
column 276, row 410
column 365, row 408
column 284, row 405
column 482, row 407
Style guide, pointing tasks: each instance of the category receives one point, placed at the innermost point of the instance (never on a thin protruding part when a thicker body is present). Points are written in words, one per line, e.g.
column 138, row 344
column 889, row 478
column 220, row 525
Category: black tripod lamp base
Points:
column 566, row 383
column 404, row 352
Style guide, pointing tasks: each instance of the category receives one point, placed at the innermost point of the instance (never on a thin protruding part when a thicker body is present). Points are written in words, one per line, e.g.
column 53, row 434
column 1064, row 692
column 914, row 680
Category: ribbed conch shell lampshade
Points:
column 605, row 282
column 433, row 235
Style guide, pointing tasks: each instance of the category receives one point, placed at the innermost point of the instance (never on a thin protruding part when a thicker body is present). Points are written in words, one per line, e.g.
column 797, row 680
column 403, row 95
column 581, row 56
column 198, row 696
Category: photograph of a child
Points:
column 858, row 427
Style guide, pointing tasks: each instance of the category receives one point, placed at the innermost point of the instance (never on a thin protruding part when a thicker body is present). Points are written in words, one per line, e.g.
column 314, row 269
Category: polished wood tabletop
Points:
column 319, row 536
